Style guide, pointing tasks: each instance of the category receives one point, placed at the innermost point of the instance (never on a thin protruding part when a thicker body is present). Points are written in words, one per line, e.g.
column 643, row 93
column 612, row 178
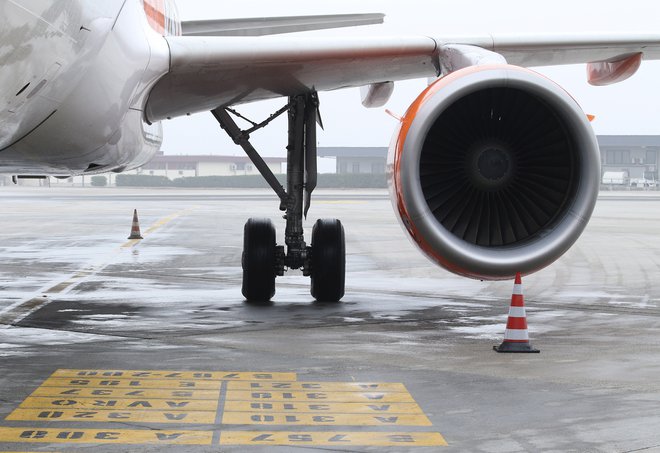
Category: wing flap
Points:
column 276, row 25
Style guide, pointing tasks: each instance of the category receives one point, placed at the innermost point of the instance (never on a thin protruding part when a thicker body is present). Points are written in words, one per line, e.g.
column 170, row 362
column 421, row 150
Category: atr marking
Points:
column 74, row 392
column 119, row 404
column 124, row 383
column 319, row 386
column 363, row 439
column 335, row 397
column 177, row 375
column 337, row 408
column 72, row 415
column 252, row 418
column 106, row 436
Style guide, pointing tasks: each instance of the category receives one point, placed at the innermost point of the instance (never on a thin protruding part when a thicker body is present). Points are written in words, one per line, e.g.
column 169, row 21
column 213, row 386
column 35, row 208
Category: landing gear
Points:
column 328, row 260
column 259, row 260
column 263, row 260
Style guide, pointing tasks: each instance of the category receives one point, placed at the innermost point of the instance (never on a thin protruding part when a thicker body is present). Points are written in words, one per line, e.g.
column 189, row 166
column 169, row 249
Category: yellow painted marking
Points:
column 105, row 436
column 73, row 393
column 69, row 415
column 61, row 287
column 158, row 224
column 188, row 375
column 337, row 408
column 119, row 404
column 164, row 221
column 335, row 397
column 131, row 383
column 362, row 439
column 130, row 243
column 248, row 418
column 319, row 386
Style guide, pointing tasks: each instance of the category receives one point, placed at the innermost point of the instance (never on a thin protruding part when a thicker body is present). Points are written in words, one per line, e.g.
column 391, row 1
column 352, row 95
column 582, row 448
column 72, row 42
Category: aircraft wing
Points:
column 211, row 71
column 276, row 25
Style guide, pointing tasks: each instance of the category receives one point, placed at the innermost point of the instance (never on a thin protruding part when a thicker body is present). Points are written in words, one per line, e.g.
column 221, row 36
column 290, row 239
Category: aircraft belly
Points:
column 131, row 146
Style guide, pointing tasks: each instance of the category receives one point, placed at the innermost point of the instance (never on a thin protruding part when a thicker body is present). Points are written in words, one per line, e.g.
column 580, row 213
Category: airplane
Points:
column 493, row 170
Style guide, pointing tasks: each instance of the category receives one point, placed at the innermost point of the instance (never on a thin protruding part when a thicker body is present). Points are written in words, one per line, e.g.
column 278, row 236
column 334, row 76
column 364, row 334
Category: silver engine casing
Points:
column 494, row 170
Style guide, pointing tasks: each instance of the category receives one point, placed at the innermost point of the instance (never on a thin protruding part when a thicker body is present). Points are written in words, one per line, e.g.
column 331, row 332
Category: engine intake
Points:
column 495, row 170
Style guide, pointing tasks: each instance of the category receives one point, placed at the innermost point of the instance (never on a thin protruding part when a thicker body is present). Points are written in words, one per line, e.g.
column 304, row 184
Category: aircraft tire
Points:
column 259, row 261
column 328, row 260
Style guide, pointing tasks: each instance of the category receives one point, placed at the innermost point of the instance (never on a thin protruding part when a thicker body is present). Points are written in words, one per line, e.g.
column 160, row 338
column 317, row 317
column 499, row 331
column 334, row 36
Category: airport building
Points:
column 181, row 166
column 629, row 160
column 357, row 159
column 633, row 159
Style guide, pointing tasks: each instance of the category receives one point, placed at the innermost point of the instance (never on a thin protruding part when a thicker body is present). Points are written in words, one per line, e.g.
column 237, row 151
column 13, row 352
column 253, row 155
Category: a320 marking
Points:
column 263, row 400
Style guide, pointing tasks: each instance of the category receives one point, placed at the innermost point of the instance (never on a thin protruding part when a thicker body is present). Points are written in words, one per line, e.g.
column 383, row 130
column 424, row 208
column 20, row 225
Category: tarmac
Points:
column 114, row 345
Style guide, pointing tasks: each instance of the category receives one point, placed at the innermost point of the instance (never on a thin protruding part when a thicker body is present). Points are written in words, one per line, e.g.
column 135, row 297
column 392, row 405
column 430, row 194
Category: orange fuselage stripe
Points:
column 155, row 14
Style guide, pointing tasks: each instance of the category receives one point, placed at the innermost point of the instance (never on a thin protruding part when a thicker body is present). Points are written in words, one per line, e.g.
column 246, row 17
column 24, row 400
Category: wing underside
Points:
column 208, row 72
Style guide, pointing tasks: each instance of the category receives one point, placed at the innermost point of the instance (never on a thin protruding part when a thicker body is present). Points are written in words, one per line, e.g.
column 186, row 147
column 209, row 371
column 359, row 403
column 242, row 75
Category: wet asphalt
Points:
column 403, row 363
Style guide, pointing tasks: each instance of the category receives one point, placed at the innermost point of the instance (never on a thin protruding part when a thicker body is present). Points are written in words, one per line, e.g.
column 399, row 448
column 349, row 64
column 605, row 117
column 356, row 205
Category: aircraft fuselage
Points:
column 73, row 79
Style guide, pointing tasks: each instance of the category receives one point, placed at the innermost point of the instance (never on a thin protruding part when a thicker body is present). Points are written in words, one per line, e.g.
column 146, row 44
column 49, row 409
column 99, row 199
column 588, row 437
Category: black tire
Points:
column 328, row 260
column 259, row 266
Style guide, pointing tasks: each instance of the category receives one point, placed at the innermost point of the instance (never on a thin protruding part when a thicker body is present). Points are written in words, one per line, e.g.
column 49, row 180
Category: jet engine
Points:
column 494, row 170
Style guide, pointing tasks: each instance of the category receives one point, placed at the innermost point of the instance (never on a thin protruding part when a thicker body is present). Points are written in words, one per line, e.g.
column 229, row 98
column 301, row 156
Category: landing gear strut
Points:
column 263, row 260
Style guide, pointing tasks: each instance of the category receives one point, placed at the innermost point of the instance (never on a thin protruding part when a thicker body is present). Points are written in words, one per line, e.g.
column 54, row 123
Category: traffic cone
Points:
column 135, row 229
column 516, row 338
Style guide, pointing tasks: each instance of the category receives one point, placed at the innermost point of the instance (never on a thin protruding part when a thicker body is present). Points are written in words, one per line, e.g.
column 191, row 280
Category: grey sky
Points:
column 632, row 107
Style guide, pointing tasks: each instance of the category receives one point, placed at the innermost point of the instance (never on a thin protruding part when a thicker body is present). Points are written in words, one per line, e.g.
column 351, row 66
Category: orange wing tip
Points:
column 591, row 118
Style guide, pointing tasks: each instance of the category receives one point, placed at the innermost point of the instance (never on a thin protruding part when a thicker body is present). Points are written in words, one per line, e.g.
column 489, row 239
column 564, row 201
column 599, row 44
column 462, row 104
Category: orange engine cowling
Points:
column 494, row 170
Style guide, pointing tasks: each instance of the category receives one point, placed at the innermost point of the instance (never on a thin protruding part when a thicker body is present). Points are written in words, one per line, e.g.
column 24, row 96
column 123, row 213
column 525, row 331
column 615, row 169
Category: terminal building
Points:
column 357, row 159
column 634, row 157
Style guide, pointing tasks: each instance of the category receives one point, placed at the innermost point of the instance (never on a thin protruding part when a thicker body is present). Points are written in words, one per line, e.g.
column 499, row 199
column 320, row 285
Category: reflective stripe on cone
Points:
column 516, row 337
column 135, row 228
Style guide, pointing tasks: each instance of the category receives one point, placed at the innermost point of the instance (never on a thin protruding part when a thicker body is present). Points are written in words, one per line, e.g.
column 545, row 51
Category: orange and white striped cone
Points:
column 516, row 338
column 135, row 228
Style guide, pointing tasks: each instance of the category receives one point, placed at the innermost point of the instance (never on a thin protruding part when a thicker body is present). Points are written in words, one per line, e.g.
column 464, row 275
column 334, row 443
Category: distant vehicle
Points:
column 616, row 178
column 642, row 183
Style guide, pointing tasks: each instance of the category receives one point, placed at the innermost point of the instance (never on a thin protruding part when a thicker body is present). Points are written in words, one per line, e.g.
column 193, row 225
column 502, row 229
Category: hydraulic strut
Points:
column 301, row 171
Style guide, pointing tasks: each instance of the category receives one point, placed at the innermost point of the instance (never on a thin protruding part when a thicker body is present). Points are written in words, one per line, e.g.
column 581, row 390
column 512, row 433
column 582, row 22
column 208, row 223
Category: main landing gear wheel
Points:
column 259, row 260
column 328, row 260
column 263, row 260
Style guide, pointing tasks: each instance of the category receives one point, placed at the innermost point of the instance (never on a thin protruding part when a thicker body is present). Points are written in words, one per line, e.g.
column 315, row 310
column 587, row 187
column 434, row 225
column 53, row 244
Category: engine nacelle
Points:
column 494, row 170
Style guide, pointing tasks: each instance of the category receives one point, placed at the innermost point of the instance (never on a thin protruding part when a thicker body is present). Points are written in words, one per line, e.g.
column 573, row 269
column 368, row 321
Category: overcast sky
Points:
column 631, row 107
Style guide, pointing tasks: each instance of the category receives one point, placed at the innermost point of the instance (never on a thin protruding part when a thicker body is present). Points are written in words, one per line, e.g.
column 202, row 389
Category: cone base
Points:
column 508, row 346
column 135, row 237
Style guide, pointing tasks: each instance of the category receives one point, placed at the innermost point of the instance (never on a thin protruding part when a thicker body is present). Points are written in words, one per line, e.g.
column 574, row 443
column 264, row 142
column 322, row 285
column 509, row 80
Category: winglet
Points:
column 277, row 25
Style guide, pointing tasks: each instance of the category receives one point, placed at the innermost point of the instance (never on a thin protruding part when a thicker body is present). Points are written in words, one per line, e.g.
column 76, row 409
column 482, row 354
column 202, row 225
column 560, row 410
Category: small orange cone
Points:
column 135, row 229
column 516, row 338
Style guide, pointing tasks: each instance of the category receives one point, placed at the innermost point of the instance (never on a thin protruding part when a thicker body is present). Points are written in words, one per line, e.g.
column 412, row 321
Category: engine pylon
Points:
column 135, row 227
column 516, row 338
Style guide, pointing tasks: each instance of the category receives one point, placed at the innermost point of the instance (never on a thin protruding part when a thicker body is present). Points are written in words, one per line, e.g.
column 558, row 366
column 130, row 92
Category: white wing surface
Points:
column 208, row 72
